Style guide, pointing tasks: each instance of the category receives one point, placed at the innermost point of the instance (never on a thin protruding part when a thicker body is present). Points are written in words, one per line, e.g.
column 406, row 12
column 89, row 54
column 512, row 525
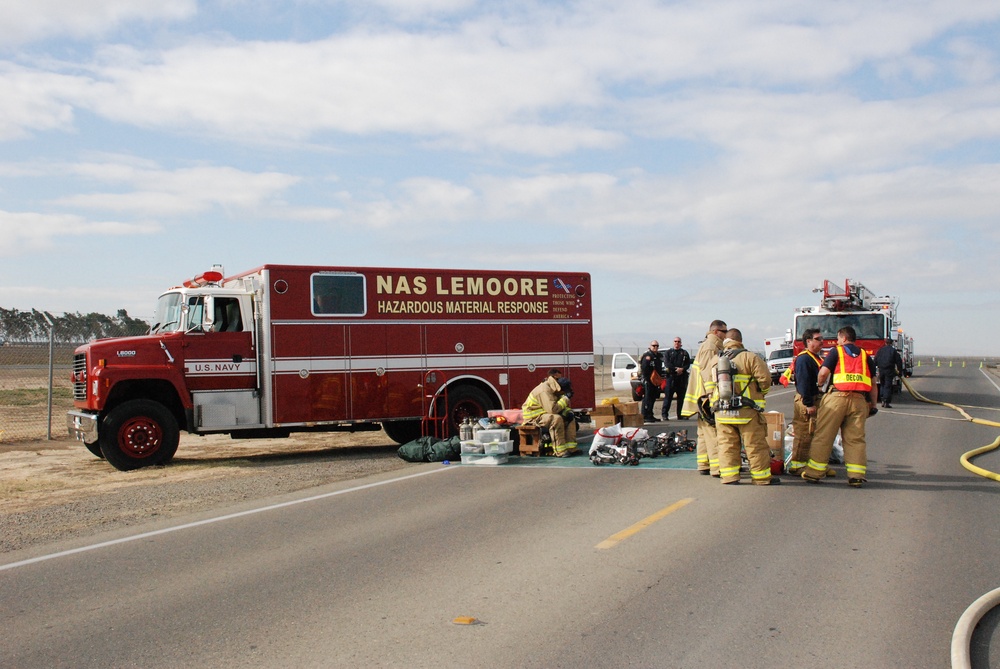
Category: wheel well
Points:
column 491, row 394
column 157, row 390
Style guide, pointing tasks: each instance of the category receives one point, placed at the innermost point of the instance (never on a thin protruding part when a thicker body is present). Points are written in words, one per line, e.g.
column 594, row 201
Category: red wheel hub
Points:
column 140, row 437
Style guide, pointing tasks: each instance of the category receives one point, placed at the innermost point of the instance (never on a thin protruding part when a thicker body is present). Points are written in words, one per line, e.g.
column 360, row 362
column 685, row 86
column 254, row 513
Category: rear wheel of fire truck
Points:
column 139, row 433
column 466, row 402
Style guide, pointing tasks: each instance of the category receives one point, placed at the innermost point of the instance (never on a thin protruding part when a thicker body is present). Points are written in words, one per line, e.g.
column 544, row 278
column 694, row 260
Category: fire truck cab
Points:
column 874, row 319
column 283, row 349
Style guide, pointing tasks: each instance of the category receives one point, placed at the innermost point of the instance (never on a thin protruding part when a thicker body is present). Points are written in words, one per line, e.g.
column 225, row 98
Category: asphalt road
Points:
column 374, row 572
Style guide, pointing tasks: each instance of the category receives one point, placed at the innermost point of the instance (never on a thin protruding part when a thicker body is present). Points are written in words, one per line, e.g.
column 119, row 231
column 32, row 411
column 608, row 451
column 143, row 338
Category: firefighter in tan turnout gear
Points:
column 544, row 409
column 740, row 380
column 849, row 401
column 708, row 458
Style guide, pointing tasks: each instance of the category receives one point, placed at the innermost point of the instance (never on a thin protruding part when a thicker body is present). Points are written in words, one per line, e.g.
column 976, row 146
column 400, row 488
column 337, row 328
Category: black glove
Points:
column 872, row 410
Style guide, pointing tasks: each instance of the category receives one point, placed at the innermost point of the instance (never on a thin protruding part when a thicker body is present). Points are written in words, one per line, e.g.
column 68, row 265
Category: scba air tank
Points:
column 725, row 379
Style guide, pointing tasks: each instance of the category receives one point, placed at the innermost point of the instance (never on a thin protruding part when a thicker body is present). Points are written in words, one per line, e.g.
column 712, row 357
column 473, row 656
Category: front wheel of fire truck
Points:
column 139, row 433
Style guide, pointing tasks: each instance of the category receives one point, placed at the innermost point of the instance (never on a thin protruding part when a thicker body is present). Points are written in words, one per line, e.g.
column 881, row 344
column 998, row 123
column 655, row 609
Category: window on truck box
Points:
column 338, row 295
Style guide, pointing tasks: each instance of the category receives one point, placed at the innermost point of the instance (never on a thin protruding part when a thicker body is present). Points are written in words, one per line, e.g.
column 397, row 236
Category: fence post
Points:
column 52, row 339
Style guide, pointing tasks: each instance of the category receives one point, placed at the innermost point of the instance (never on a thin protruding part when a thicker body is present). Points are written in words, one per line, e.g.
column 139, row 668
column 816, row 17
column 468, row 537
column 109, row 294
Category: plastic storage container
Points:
column 484, row 459
column 498, row 447
column 473, row 447
column 486, row 436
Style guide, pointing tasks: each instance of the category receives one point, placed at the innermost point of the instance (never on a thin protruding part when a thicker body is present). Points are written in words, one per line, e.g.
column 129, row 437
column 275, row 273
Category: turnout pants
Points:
column 803, row 428
column 751, row 437
column 845, row 412
column 708, row 452
column 563, row 434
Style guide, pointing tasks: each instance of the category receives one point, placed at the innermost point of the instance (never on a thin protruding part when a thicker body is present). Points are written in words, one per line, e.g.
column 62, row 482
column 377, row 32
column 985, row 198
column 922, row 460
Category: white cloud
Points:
column 159, row 192
column 36, row 101
column 28, row 20
column 21, row 231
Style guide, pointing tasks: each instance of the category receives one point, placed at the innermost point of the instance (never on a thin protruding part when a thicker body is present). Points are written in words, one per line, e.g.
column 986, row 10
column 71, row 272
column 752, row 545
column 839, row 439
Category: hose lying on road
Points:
column 962, row 637
column 966, row 457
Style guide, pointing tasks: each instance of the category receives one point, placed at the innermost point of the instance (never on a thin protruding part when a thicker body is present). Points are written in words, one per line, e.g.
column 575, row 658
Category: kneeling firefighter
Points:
column 740, row 380
column 547, row 406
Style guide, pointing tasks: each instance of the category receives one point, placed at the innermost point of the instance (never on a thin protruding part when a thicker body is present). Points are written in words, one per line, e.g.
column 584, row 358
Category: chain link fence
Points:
column 36, row 360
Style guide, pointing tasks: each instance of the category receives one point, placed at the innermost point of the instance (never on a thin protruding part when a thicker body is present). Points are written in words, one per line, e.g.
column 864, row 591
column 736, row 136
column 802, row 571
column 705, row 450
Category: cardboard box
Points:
column 603, row 410
column 603, row 421
column 776, row 433
column 628, row 409
column 631, row 420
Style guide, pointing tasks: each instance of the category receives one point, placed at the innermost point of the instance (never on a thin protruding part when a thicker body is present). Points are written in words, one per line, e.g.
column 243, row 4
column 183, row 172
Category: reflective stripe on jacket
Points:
column 543, row 399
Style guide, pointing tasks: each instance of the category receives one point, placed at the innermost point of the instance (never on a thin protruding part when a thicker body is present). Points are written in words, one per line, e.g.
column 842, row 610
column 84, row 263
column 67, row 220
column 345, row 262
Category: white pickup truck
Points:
column 778, row 353
column 625, row 375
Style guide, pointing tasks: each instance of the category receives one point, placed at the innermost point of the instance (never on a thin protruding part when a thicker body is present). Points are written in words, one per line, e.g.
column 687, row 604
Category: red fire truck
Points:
column 873, row 318
column 282, row 349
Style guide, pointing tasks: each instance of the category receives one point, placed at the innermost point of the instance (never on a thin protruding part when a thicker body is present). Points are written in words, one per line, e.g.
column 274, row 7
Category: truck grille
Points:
column 80, row 376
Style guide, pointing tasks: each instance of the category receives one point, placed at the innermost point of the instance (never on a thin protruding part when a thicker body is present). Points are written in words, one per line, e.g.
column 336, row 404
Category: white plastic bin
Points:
column 472, row 447
column 498, row 447
column 484, row 459
column 487, row 436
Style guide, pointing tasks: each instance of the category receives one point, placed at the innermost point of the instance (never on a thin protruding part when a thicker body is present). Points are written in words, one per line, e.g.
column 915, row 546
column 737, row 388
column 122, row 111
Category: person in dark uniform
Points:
column 890, row 365
column 677, row 361
column 651, row 366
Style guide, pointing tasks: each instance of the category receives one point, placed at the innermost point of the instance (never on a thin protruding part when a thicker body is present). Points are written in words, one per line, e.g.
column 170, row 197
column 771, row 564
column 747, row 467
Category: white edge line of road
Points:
column 217, row 519
column 989, row 378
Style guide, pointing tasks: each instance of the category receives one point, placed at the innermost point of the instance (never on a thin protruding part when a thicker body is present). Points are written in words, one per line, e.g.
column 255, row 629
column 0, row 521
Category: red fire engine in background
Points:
column 873, row 318
column 282, row 349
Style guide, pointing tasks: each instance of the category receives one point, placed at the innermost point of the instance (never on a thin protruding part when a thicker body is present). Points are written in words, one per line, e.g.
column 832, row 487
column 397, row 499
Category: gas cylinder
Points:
column 465, row 429
column 725, row 379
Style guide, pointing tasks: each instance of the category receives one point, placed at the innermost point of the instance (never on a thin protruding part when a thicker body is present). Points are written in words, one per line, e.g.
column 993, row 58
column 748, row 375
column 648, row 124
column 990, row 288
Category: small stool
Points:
column 529, row 440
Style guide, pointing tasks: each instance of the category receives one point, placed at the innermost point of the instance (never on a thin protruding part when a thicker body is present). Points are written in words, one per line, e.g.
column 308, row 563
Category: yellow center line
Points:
column 615, row 539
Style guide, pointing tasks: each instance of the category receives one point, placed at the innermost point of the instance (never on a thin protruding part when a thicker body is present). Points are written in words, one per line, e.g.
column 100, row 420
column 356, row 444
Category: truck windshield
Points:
column 867, row 326
column 168, row 313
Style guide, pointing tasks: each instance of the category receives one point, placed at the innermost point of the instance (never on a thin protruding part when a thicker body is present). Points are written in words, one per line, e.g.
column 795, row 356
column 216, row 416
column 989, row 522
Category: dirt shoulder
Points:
column 57, row 490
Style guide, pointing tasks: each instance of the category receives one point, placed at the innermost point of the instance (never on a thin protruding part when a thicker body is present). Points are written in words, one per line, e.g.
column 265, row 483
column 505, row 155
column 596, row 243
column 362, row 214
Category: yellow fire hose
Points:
column 962, row 636
column 966, row 457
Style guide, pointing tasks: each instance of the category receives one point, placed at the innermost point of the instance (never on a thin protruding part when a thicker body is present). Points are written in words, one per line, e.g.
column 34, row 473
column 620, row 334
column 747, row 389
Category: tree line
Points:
column 32, row 327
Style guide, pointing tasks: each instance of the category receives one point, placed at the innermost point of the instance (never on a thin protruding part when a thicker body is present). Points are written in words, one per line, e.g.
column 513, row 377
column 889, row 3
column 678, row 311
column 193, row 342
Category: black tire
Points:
column 95, row 448
column 467, row 402
column 402, row 431
column 139, row 433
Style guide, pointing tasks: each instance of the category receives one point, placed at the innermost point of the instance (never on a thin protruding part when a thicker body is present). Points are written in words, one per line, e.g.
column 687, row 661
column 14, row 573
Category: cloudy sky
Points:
column 702, row 159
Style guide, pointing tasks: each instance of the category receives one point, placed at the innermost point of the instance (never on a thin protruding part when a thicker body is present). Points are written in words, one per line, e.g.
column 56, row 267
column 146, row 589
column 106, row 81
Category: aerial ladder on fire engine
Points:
column 856, row 297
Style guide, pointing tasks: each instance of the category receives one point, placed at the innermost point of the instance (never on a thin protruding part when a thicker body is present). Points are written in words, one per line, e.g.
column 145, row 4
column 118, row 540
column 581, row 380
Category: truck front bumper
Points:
column 82, row 426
